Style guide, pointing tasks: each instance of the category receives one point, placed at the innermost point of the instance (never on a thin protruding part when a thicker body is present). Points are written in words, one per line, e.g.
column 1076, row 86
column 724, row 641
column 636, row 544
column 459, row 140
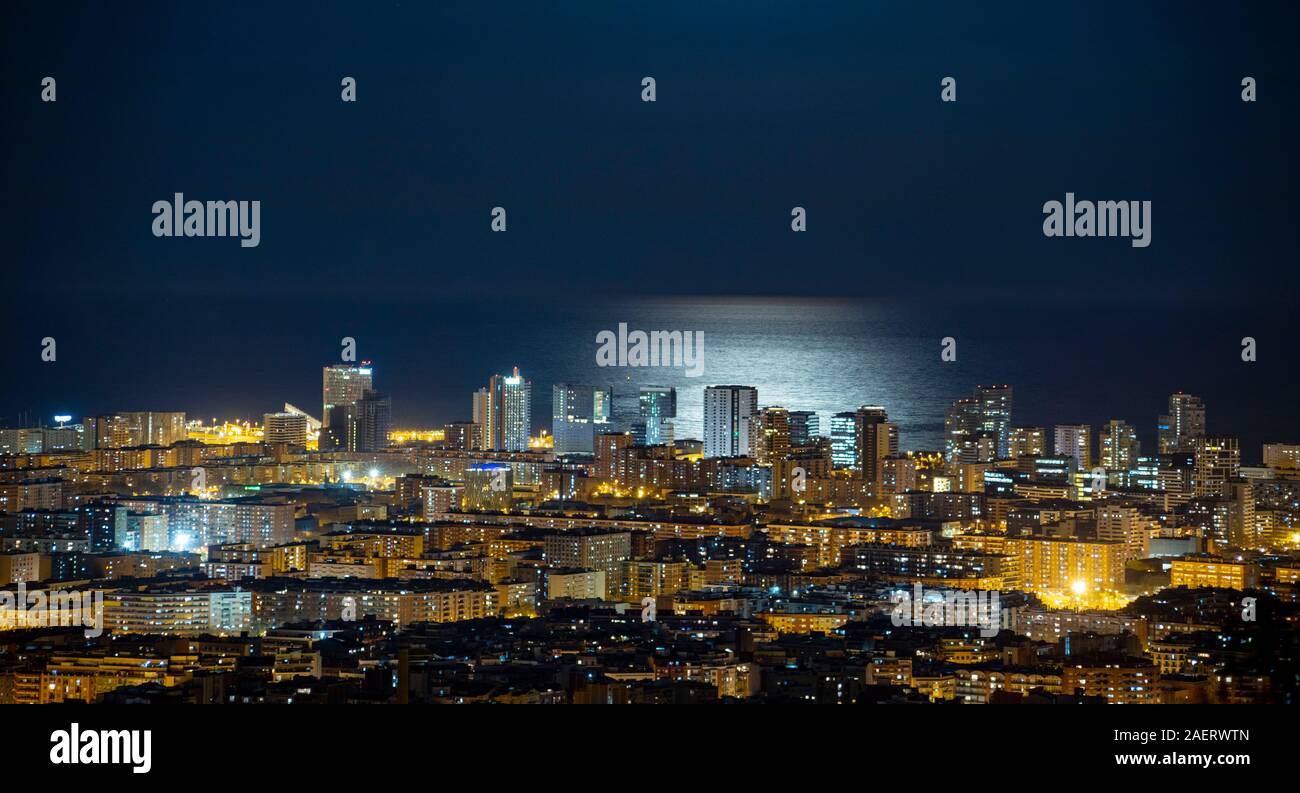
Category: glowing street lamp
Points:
column 1079, row 588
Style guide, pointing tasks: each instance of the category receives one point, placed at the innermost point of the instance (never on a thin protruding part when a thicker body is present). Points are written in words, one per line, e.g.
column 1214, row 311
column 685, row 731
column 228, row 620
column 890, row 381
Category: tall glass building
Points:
column 804, row 427
column 506, row 412
column 727, row 411
column 370, row 419
column 658, row 408
column 962, row 420
column 1183, row 426
column 995, row 414
column 343, row 384
column 844, row 440
column 578, row 412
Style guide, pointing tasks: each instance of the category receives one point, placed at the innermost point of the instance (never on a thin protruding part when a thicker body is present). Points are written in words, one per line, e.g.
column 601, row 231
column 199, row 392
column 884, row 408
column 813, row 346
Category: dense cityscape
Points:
column 326, row 555
column 672, row 353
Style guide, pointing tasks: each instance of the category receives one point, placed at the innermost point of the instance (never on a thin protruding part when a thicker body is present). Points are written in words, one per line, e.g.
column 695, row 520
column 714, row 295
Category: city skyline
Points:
column 762, row 352
column 631, row 419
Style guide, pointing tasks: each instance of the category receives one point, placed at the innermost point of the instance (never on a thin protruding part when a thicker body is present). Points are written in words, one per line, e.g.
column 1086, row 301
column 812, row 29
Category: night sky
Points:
column 463, row 106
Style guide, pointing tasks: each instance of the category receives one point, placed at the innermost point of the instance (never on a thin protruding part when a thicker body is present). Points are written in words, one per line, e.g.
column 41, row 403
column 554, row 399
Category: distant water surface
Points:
column 1068, row 363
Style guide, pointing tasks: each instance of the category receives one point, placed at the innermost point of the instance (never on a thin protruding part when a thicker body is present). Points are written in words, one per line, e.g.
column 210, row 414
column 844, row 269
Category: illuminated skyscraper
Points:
column 1030, row 441
column 960, row 423
column 344, row 384
column 727, row 411
column 1183, row 426
column 369, row 420
column 804, row 427
column 578, row 412
column 844, row 444
column 995, row 414
column 875, row 438
column 1119, row 446
column 505, row 410
column 769, row 435
column 1218, row 460
column 1075, row 440
column 658, row 408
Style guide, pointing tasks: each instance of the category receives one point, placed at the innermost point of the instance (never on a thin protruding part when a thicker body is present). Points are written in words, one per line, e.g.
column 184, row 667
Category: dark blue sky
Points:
column 376, row 211
column 762, row 106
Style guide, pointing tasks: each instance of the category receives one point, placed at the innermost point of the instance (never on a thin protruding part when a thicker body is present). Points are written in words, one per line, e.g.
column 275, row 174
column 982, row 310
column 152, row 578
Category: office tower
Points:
column 290, row 428
column 658, row 408
column 504, row 409
column 571, row 419
column 369, row 420
column 989, row 411
column 769, row 435
column 844, row 443
column 727, row 411
column 1180, row 429
column 602, row 408
column 875, row 438
column 334, row 429
column 1119, row 446
column 961, row 421
column 1027, row 441
column 995, row 414
column 489, row 487
column 343, row 384
column 577, row 414
column 1075, row 440
column 805, row 428
column 1218, row 460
